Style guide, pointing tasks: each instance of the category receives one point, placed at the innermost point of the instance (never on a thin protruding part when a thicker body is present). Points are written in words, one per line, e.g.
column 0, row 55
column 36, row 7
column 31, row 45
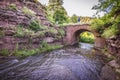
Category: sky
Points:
column 78, row 7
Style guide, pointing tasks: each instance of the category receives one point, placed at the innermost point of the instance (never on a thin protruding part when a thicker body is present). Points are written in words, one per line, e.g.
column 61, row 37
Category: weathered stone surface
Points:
column 40, row 12
column 73, row 32
column 10, row 18
column 114, row 64
column 107, row 73
column 9, row 32
column 16, row 17
column 1, row 42
column 100, row 42
column 114, row 45
column 10, row 42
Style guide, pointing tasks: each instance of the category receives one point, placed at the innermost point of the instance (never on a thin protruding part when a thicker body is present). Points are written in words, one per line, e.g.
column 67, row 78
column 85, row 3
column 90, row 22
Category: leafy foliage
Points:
column 59, row 17
column 108, row 25
column 28, row 11
column 58, row 2
column 111, row 31
column 52, row 30
column 74, row 18
column 56, row 12
column 22, row 32
column 108, row 6
column 61, row 32
column 35, row 25
column 87, row 37
column 43, row 48
column 97, row 25
column 4, row 52
column 12, row 6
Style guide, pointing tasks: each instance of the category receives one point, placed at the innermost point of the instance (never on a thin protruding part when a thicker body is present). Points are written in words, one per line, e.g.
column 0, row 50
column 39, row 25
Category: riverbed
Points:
column 70, row 63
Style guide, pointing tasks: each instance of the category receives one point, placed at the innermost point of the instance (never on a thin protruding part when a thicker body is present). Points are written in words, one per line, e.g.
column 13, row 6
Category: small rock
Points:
column 49, row 39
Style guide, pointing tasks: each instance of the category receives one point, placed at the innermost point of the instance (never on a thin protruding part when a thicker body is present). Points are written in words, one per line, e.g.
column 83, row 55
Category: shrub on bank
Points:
column 87, row 37
column 36, row 26
column 44, row 47
column 28, row 11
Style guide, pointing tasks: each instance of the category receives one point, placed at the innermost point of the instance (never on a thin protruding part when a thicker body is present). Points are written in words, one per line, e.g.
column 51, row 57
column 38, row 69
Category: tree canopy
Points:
column 74, row 18
column 56, row 12
column 108, row 25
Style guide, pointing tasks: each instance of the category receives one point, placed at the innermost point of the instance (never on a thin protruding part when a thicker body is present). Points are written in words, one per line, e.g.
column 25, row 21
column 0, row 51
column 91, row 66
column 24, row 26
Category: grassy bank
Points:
column 29, row 52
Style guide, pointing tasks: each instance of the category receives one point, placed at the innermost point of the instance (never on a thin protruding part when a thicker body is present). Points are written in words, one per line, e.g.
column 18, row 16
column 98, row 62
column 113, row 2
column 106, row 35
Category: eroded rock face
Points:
column 11, row 17
column 107, row 73
column 100, row 42
column 114, row 46
column 16, row 17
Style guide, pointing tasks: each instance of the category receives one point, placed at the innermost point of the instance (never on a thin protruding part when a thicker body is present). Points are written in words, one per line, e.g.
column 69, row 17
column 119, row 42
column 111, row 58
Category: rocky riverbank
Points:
column 24, row 26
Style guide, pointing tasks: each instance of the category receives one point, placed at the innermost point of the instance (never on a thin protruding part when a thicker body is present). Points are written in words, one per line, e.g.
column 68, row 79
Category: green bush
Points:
column 52, row 30
column 36, row 26
column 26, row 53
column 111, row 31
column 21, row 32
column 13, row 6
column 52, row 47
column 87, row 37
column 58, row 37
column 28, row 11
column 86, row 40
column 61, row 32
column 40, row 33
column 47, row 47
column 43, row 44
column 97, row 25
column 4, row 52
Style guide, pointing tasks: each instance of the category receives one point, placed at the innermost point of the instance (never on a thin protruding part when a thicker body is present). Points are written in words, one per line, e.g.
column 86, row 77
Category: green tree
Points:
column 108, row 25
column 109, row 6
column 59, row 16
column 56, row 11
column 54, row 2
column 74, row 18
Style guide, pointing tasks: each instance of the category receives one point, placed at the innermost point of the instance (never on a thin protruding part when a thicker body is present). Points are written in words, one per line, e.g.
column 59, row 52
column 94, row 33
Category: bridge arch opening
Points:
column 83, row 35
column 73, row 32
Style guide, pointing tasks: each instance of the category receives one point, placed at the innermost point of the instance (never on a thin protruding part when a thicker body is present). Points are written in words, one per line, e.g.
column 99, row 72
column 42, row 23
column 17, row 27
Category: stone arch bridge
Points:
column 73, row 32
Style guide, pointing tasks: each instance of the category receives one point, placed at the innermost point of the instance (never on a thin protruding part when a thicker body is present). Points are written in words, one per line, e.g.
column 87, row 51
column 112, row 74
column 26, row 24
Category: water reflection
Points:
column 86, row 46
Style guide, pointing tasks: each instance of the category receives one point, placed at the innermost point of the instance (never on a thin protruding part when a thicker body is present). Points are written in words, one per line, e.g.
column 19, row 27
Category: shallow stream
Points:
column 64, row 64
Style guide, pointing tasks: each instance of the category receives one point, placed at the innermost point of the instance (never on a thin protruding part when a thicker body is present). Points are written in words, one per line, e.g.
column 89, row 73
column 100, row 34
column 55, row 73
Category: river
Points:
column 71, row 63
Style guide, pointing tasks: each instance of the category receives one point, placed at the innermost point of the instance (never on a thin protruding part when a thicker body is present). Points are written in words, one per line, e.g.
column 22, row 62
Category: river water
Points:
column 71, row 63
